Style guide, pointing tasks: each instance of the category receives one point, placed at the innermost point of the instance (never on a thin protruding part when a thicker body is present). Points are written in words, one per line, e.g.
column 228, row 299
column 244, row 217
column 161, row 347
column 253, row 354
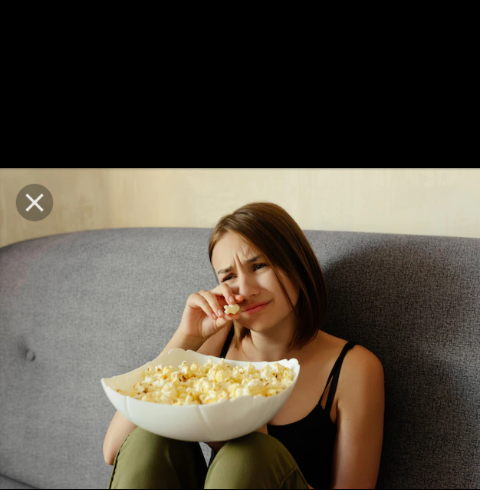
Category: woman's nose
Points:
column 247, row 286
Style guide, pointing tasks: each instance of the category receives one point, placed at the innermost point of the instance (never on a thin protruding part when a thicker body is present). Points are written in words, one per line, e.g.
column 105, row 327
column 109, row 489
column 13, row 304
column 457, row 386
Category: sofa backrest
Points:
column 80, row 306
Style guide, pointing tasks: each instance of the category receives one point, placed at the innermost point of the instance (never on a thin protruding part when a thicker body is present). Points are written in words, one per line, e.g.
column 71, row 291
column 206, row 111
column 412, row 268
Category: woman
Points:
column 329, row 432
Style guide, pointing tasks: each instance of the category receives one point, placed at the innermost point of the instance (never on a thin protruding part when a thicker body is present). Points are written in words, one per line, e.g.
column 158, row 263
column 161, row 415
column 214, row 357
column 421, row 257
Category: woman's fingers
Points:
column 204, row 304
column 213, row 302
column 215, row 306
column 212, row 305
column 225, row 291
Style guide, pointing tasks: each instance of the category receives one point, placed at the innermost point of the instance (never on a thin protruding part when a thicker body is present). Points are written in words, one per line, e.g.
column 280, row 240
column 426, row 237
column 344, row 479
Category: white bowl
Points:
column 218, row 421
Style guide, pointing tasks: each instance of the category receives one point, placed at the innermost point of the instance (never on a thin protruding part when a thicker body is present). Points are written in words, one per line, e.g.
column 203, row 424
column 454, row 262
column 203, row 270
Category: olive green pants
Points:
column 253, row 461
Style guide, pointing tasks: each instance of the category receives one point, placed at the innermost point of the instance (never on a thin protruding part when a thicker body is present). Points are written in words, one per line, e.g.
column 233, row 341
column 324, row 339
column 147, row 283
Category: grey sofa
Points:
column 80, row 306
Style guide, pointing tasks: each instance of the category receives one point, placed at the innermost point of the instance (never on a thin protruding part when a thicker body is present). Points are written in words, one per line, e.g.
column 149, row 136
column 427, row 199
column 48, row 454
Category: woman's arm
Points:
column 360, row 416
column 120, row 427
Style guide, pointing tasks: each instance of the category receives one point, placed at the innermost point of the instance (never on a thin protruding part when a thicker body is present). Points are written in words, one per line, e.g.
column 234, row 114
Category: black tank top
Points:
column 311, row 439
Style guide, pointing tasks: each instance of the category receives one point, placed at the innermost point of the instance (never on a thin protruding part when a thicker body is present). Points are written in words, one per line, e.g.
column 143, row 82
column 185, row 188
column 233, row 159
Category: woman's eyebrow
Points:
column 248, row 261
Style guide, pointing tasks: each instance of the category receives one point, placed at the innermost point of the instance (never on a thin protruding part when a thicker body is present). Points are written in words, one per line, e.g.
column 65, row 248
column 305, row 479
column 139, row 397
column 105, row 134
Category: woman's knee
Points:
column 149, row 461
column 143, row 448
column 266, row 458
column 256, row 447
column 144, row 441
column 136, row 458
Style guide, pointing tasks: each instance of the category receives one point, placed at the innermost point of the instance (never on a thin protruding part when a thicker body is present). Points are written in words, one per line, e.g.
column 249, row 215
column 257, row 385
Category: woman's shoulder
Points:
column 357, row 362
column 359, row 365
column 357, row 354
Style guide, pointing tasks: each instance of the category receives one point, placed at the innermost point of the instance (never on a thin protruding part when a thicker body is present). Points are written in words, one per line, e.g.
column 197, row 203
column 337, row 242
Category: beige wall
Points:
column 401, row 201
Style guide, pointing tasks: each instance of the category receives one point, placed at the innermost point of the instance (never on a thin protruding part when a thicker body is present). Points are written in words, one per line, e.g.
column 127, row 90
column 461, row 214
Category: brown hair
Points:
column 276, row 234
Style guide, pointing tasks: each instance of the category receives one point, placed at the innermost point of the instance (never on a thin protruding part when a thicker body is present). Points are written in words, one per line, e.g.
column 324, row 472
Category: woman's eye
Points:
column 261, row 264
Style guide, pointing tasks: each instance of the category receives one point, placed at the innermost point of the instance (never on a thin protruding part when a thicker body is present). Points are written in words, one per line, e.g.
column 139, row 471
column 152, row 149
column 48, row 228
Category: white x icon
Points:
column 34, row 202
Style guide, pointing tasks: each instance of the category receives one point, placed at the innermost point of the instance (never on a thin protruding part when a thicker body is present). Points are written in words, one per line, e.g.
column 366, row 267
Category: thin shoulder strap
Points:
column 227, row 343
column 335, row 374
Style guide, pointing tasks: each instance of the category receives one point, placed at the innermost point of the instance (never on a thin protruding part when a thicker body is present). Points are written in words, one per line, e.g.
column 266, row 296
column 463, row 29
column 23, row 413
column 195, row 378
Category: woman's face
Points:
column 256, row 281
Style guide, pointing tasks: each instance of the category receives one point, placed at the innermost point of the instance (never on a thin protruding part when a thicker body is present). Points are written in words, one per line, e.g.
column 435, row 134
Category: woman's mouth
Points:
column 257, row 309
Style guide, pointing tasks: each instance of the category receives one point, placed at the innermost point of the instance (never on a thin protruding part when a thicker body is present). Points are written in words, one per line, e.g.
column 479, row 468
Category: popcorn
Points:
column 212, row 382
column 231, row 309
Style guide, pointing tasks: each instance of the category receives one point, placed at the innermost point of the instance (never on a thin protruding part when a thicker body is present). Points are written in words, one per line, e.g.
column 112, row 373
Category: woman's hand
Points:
column 201, row 319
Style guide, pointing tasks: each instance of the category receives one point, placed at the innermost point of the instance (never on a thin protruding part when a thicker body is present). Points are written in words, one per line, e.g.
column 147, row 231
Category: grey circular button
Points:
column 30, row 355
column 34, row 202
